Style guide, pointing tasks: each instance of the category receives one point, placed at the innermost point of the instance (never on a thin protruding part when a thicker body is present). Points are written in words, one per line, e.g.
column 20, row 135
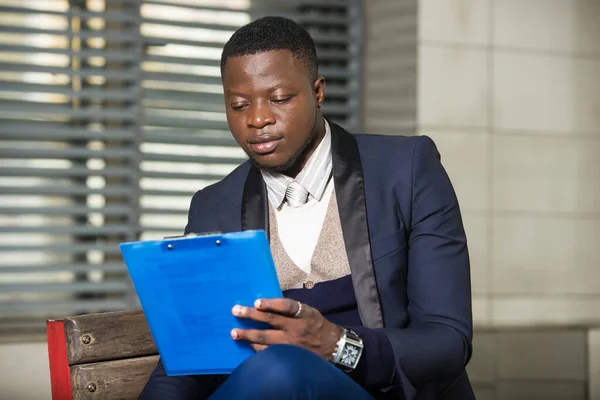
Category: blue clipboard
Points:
column 187, row 287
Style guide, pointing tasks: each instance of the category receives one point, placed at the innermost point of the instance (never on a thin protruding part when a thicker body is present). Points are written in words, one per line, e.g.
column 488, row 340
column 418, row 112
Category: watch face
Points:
column 350, row 355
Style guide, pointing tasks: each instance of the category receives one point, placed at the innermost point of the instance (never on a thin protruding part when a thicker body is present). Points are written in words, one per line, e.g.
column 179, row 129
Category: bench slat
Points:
column 108, row 336
column 120, row 379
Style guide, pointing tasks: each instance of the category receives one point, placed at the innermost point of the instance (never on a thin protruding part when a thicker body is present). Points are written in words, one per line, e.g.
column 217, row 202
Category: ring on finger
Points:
column 297, row 315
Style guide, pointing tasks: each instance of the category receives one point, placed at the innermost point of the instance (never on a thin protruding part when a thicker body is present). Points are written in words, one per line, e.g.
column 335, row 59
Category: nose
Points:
column 260, row 115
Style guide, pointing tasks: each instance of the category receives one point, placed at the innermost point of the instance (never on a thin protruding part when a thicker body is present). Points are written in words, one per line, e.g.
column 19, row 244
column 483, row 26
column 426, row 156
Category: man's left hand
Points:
column 308, row 329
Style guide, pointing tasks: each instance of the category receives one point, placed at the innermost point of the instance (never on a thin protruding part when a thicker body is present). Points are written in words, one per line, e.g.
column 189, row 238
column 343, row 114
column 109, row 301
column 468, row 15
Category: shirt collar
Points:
column 314, row 176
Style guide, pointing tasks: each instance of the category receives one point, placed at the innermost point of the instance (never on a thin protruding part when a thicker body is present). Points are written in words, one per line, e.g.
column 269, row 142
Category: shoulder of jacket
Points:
column 213, row 192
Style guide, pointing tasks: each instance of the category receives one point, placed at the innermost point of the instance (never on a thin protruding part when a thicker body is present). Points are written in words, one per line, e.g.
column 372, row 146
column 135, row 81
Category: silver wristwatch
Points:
column 348, row 350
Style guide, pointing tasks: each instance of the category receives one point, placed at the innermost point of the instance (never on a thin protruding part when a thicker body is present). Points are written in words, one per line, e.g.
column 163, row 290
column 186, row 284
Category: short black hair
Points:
column 273, row 33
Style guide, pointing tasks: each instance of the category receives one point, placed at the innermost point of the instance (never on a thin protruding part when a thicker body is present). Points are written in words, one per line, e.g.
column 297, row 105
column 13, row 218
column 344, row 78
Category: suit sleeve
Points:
column 436, row 345
column 376, row 368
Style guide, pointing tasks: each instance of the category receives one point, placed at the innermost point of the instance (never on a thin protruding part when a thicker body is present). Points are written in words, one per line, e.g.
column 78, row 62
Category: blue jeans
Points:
column 288, row 372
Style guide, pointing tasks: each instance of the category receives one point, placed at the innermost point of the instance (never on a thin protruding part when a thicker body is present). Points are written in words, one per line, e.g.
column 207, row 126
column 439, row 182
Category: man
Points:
column 365, row 232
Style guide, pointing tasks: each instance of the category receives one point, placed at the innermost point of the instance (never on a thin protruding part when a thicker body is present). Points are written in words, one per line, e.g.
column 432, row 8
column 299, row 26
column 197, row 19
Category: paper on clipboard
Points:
column 187, row 287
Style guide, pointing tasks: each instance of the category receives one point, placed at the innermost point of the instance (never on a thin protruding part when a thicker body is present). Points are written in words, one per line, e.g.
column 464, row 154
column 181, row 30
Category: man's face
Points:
column 273, row 109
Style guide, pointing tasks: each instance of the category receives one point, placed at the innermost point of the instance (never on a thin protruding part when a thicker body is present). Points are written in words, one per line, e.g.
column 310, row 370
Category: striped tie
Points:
column 296, row 195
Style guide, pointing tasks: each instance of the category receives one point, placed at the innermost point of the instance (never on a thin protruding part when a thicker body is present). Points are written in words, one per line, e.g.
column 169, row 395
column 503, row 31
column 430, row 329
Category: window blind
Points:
column 111, row 117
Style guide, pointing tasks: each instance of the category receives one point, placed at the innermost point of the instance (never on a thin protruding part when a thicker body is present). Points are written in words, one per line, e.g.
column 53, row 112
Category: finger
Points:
column 258, row 347
column 252, row 313
column 286, row 307
column 259, row 336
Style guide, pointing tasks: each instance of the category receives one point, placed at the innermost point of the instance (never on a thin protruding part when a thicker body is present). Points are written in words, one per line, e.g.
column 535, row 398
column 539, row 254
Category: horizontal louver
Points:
column 111, row 117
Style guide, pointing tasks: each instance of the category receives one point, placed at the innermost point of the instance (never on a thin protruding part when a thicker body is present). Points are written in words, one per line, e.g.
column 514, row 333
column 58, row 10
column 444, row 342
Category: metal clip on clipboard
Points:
column 191, row 235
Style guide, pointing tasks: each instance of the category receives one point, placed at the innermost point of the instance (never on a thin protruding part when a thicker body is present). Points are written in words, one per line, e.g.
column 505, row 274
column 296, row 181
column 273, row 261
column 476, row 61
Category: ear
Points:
column 319, row 90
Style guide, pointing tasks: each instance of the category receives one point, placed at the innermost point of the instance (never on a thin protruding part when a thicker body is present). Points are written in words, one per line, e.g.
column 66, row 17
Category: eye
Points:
column 281, row 100
column 238, row 106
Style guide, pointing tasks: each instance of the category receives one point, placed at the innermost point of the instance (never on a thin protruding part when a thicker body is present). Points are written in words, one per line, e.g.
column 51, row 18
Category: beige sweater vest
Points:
column 329, row 261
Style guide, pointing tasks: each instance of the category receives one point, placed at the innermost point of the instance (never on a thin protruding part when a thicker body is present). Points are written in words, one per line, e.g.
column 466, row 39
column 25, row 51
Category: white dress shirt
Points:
column 299, row 227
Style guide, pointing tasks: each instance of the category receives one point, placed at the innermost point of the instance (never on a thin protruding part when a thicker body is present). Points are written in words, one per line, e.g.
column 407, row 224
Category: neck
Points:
column 310, row 148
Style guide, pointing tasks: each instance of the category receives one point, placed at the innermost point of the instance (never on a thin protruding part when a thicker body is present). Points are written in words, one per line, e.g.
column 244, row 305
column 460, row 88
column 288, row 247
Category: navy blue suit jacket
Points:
column 405, row 242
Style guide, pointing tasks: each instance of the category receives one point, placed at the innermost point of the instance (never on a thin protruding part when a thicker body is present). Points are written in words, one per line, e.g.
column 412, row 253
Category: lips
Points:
column 265, row 145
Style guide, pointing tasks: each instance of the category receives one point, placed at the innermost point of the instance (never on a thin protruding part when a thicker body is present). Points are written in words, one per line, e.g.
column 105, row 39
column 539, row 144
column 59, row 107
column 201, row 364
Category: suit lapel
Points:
column 350, row 194
column 255, row 211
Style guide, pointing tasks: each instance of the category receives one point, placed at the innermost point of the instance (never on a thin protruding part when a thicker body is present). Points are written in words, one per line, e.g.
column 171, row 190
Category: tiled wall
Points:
column 531, row 364
column 510, row 92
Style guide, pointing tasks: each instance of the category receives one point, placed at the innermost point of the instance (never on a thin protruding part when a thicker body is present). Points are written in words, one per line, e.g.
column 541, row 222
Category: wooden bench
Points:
column 100, row 356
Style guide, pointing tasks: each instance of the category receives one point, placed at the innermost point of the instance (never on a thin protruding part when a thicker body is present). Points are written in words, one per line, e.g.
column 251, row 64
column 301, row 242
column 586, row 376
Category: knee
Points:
column 278, row 369
column 284, row 354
